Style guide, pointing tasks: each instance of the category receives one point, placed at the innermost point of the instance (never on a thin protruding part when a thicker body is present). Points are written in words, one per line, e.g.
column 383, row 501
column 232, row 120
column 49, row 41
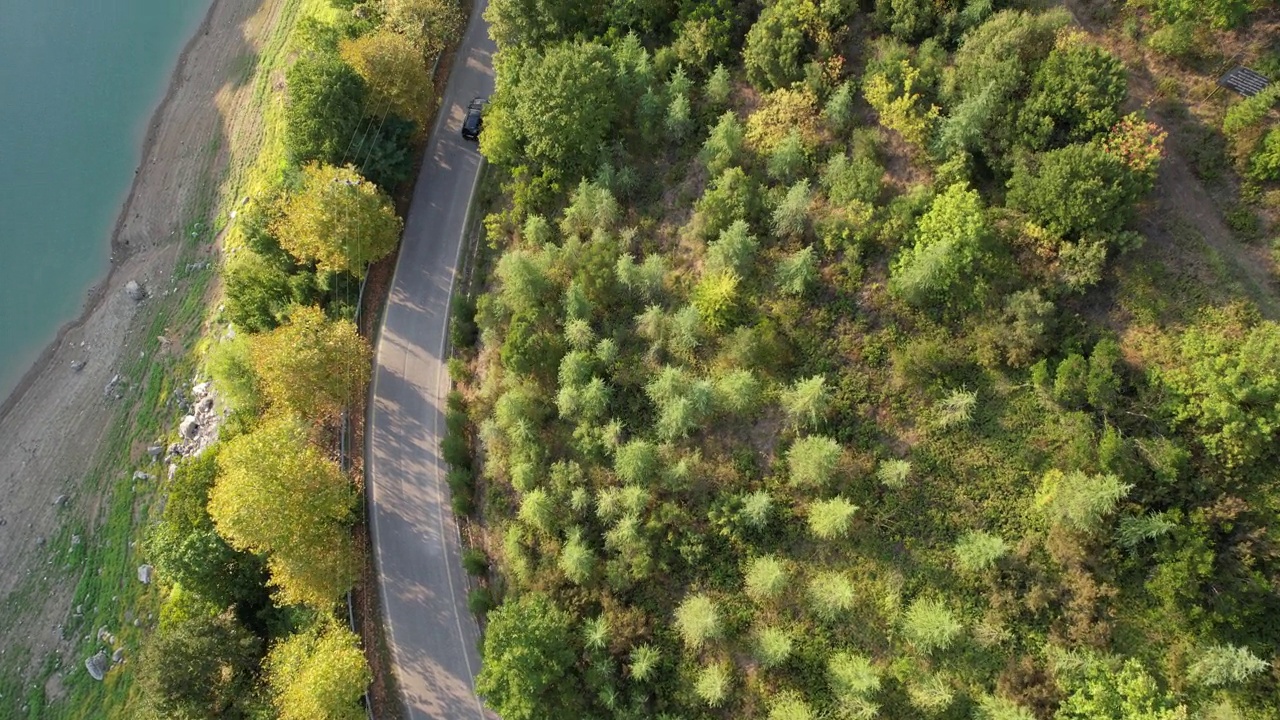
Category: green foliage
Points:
column 723, row 147
column 734, row 251
column 930, row 626
column 896, row 98
column 1226, row 385
column 716, row 298
column 1224, row 665
column 831, row 595
column 326, row 98
column 838, row 112
column 644, row 661
column 528, row 661
column 797, row 271
column 766, row 578
column 258, row 292
column 555, row 108
column 790, row 705
column 931, row 693
column 718, row 87
column 713, row 684
column 830, row 519
column 976, row 551
column 894, row 474
column 850, row 674
column 1218, row 13
column 773, row 646
column 789, row 158
column 956, row 408
column 698, row 620
column 318, row 673
column 776, row 44
column 993, row 707
column 1079, row 501
column 812, row 461
column 791, row 217
column 199, row 667
column 1074, row 190
column 852, row 180
column 1076, row 94
column 738, row 393
column 944, row 267
column 807, row 401
column 1128, row 693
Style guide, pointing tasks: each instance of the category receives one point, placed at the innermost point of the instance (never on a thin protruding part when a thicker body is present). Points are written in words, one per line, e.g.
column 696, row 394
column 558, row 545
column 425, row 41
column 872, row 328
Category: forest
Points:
column 854, row 359
column 254, row 549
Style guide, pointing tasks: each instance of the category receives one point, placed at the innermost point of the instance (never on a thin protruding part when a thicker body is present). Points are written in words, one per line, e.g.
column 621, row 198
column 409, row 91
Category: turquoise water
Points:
column 78, row 82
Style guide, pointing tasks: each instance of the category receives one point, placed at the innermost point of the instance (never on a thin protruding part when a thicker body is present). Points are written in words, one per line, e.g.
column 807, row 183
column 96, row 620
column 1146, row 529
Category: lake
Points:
column 79, row 80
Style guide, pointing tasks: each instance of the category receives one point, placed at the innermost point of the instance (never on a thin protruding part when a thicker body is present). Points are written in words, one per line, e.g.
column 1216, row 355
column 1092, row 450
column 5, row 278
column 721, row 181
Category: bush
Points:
column 475, row 561
column 480, row 602
column 766, row 578
column 698, row 620
column 930, row 626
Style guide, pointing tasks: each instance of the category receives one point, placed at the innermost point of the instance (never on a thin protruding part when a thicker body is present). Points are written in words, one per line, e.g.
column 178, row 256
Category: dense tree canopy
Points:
column 338, row 220
column 311, row 365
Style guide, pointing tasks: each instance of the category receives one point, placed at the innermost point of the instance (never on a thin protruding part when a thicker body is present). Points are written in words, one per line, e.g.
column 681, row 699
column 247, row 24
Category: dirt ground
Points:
column 52, row 426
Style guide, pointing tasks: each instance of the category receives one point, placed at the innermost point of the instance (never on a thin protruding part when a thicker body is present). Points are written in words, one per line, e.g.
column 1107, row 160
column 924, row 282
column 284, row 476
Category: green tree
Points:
column 636, row 462
column 277, row 494
column 789, row 158
column 528, row 661
column 900, row 105
column 830, row 519
column 430, row 25
column 807, row 401
column 713, row 684
column 850, row 674
column 734, row 251
column 777, row 43
column 1226, row 386
column 831, row 595
column 199, row 667
column 894, row 473
column 1076, row 94
column 339, row 220
column 718, row 88
column 698, row 620
column 738, row 393
column 1079, row 501
column 852, row 180
column 765, row 578
column 790, row 705
column 1225, row 665
column 791, row 216
column 258, row 291
column 976, row 551
column 318, row 673
column 945, row 265
column 1074, row 190
column 577, row 561
column 838, row 112
column 812, row 461
column 930, row 626
column 555, row 108
column 644, row 661
column 1127, row 693
column 716, row 298
column 723, row 147
column 312, row 366
column 773, row 646
column 730, row 197
column 324, row 106
column 797, row 271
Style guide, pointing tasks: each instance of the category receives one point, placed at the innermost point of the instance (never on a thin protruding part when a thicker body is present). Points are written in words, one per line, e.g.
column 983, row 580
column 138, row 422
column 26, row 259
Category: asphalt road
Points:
column 433, row 638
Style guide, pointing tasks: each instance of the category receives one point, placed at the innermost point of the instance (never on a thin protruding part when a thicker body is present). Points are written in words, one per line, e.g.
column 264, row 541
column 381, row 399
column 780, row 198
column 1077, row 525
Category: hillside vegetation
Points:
column 827, row 368
column 254, row 550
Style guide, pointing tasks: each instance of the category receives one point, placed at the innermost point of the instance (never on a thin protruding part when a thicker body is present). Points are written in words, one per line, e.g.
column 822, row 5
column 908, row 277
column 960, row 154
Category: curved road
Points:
column 432, row 637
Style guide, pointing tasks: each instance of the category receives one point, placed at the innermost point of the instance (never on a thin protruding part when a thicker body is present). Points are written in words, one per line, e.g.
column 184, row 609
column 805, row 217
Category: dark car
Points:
column 474, row 120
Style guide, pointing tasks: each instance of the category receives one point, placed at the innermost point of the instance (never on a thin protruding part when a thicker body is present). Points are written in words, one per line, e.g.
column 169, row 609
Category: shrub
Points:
column 829, row 519
column 644, row 661
column 766, row 578
column 713, row 684
column 475, row 561
column 790, row 705
column 807, row 401
column 1079, row 501
column 894, row 474
column 851, row 674
column 813, row 460
column 831, row 595
column 480, row 601
column 1224, row 665
column 772, row 646
column 698, row 620
column 976, row 551
column 930, row 626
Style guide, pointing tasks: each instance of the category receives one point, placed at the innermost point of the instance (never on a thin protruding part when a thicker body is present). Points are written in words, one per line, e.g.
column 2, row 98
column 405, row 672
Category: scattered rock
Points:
column 104, row 635
column 141, row 475
column 189, row 427
column 112, row 384
column 77, row 365
column 40, row 541
column 135, row 292
column 200, row 390
column 144, row 574
column 97, row 665
column 61, row 500
column 206, row 405
column 117, row 657
column 155, row 451
column 75, row 540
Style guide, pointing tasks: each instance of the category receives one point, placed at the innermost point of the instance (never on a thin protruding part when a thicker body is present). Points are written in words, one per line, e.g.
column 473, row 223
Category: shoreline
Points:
column 119, row 251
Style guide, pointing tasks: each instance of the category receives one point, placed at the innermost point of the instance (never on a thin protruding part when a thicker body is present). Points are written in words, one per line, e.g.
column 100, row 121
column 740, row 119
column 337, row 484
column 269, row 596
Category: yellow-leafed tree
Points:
column 277, row 494
column 394, row 71
column 339, row 220
column 312, row 365
column 318, row 674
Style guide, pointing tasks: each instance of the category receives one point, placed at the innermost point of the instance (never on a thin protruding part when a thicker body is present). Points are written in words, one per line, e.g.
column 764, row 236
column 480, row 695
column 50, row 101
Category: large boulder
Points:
column 97, row 665
column 189, row 428
column 135, row 291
